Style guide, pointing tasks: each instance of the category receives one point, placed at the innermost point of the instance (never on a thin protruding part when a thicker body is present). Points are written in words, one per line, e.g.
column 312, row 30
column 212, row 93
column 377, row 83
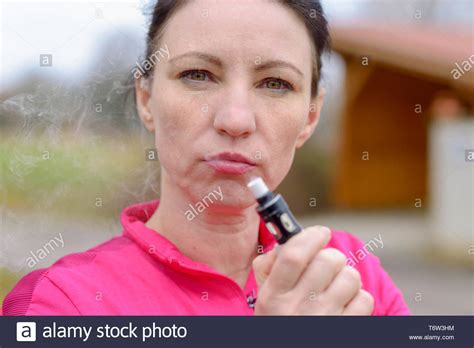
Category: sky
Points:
column 73, row 30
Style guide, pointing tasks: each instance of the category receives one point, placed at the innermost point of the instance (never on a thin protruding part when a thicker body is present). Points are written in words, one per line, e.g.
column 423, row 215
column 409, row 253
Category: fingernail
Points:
column 326, row 230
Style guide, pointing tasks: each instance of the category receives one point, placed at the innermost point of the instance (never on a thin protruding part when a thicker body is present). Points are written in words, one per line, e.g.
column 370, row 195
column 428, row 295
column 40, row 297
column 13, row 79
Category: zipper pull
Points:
column 251, row 299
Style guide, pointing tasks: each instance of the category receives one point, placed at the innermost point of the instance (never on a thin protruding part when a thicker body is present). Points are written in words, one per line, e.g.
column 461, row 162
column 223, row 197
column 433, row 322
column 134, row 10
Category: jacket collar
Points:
column 133, row 219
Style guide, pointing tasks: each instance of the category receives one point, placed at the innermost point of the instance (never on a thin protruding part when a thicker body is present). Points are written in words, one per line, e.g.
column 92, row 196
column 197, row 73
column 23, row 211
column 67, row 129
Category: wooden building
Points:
column 397, row 80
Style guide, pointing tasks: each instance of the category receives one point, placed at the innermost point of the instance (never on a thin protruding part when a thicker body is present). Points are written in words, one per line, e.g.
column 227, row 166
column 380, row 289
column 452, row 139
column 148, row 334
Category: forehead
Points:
column 239, row 30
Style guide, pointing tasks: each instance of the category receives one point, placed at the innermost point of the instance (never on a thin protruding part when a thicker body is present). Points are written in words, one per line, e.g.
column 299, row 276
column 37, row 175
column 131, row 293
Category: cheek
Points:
column 176, row 128
column 286, row 121
column 283, row 123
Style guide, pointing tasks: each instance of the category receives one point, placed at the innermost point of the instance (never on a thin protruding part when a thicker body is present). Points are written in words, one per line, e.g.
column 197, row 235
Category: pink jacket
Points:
column 142, row 273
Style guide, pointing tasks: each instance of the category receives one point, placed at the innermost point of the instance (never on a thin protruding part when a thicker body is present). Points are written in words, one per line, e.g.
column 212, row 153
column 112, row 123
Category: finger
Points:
column 295, row 255
column 342, row 290
column 362, row 304
column 262, row 265
column 321, row 271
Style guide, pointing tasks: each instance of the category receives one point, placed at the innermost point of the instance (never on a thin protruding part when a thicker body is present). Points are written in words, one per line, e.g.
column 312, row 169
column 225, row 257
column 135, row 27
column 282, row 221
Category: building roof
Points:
column 429, row 50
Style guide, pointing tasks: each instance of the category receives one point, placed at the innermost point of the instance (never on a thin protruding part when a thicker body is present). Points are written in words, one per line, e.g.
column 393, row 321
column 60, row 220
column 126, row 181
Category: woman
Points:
column 236, row 98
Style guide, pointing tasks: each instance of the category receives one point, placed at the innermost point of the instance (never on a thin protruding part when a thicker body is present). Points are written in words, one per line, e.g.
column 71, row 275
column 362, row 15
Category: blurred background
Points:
column 392, row 157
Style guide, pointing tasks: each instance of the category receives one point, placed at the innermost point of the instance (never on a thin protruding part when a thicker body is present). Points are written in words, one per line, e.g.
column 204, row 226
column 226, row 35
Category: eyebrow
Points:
column 200, row 55
column 276, row 64
column 216, row 61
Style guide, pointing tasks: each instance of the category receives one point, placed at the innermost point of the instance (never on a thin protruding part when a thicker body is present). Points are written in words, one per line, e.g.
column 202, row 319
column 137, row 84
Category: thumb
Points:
column 262, row 265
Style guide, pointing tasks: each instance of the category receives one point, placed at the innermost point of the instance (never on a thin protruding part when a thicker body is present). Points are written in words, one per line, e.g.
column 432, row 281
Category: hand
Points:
column 301, row 277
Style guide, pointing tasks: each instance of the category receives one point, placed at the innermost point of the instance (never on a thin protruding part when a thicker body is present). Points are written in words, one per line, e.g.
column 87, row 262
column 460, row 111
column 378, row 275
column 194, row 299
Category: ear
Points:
column 142, row 94
column 313, row 118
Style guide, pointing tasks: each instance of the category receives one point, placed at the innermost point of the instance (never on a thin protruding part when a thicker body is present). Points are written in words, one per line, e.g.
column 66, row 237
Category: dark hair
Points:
column 310, row 11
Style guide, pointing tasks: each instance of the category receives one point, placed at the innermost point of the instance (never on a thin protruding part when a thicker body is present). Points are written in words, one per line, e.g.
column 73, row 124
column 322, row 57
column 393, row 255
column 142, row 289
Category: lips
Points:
column 230, row 163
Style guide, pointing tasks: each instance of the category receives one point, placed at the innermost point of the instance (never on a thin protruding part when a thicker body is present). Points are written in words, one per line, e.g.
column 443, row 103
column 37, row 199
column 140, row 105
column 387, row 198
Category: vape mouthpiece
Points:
column 258, row 187
column 273, row 209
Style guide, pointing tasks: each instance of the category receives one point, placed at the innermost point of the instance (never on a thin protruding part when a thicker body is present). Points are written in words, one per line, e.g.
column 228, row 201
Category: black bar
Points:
column 243, row 331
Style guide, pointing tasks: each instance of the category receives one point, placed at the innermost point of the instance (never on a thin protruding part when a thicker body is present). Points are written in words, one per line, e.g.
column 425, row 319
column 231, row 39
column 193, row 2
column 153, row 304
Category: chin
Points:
column 232, row 200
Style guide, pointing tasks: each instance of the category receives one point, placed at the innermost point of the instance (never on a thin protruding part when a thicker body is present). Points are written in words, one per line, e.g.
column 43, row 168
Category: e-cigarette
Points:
column 275, row 212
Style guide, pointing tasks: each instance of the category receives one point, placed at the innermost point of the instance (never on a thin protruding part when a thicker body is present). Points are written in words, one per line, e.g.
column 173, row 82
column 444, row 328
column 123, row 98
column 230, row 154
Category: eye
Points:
column 194, row 75
column 277, row 84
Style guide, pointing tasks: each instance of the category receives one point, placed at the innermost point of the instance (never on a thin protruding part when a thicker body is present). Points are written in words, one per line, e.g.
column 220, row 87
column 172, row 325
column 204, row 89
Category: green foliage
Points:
column 69, row 177
column 7, row 281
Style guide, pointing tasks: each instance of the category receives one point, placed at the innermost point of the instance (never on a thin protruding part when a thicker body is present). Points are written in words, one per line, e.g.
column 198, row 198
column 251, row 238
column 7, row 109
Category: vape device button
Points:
column 287, row 222
column 273, row 230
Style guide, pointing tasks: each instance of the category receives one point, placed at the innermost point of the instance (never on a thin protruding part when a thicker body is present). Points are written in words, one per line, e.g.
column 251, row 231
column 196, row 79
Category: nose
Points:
column 236, row 116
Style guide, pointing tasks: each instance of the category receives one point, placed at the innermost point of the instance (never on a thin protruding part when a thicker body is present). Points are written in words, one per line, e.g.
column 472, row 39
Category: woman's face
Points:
column 238, row 80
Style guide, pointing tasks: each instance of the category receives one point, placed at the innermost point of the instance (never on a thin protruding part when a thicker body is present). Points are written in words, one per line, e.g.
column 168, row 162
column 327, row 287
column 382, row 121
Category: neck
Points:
column 226, row 240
